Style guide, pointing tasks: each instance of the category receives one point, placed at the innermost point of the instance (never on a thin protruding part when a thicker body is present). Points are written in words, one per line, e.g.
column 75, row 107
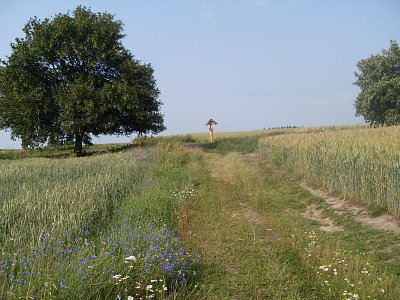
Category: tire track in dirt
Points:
column 384, row 222
column 327, row 224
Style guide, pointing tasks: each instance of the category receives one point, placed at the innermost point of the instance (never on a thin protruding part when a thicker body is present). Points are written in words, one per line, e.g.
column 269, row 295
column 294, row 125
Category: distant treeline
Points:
column 284, row 127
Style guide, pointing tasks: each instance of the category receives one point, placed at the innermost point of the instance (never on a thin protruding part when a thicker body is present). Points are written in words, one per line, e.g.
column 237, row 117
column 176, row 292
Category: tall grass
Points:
column 361, row 163
column 92, row 228
column 60, row 195
column 63, row 151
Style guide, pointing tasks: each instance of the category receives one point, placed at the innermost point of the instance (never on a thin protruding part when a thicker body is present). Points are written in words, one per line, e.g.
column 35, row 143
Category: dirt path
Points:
column 383, row 222
column 234, row 239
column 327, row 224
column 251, row 229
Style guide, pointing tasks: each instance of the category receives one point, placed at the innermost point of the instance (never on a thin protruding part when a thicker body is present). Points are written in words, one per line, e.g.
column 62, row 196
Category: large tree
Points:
column 379, row 81
column 70, row 77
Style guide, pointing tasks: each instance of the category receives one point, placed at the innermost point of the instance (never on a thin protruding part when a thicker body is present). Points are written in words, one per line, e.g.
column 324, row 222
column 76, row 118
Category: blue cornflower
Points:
column 3, row 267
column 11, row 276
column 167, row 268
column 62, row 283
column 35, row 297
column 20, row 281
column 34, row 253
column 94, row 256
column 26, row 260
column 26, row 273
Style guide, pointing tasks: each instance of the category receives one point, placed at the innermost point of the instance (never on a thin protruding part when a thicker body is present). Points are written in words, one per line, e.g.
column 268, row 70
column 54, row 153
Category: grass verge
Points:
column 94, row 228
column 247, row 225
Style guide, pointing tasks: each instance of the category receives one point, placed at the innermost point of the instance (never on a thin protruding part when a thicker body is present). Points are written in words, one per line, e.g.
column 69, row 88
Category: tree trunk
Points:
column 78, row 144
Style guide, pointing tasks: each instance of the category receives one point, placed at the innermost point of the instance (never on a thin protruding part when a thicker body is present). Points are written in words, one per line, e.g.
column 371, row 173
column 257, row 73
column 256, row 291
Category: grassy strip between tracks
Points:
column 246, row 222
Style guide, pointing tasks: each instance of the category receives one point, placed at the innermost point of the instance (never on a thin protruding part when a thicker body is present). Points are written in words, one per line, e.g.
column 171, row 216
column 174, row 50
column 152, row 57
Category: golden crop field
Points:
column 360, row 162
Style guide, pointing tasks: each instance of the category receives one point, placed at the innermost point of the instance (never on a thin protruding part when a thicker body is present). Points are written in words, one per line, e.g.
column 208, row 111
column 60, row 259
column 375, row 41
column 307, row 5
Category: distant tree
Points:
column 379, row 81
column 70, row 77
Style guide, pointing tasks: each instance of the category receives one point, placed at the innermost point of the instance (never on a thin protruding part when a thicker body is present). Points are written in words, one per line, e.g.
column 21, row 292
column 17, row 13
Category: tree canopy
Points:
column 70, row 77
column 379, row 81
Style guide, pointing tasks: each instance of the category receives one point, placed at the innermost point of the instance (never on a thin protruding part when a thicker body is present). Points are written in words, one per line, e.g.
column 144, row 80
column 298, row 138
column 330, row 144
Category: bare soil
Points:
column 327, row 224
column 383, row 222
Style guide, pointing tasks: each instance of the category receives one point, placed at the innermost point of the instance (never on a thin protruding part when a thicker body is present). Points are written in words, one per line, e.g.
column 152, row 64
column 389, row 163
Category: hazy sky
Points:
column 249, row 64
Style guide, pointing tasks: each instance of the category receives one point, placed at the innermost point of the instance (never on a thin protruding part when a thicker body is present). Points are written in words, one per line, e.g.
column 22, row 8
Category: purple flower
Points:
column 26, row 273
column 20, row 281
column 62, row 283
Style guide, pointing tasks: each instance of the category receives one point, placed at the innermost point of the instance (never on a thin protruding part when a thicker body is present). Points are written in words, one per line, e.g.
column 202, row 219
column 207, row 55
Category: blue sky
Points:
column 249, row 64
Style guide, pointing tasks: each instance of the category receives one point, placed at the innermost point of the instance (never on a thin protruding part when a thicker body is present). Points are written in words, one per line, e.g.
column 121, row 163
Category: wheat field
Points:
column 359, row 162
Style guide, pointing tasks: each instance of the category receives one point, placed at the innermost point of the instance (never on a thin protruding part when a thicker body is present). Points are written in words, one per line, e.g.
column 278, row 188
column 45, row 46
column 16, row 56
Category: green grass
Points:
column 237, row 144
column 64, row 151
column 254, row 243
column 242, row 215
column 68, row 226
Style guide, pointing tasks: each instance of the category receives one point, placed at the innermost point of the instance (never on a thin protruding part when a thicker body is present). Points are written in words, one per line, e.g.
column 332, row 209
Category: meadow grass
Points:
column 253, row 243
column 93, row 228
column 363, row 163
column 64, row 151
column 128, row 224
